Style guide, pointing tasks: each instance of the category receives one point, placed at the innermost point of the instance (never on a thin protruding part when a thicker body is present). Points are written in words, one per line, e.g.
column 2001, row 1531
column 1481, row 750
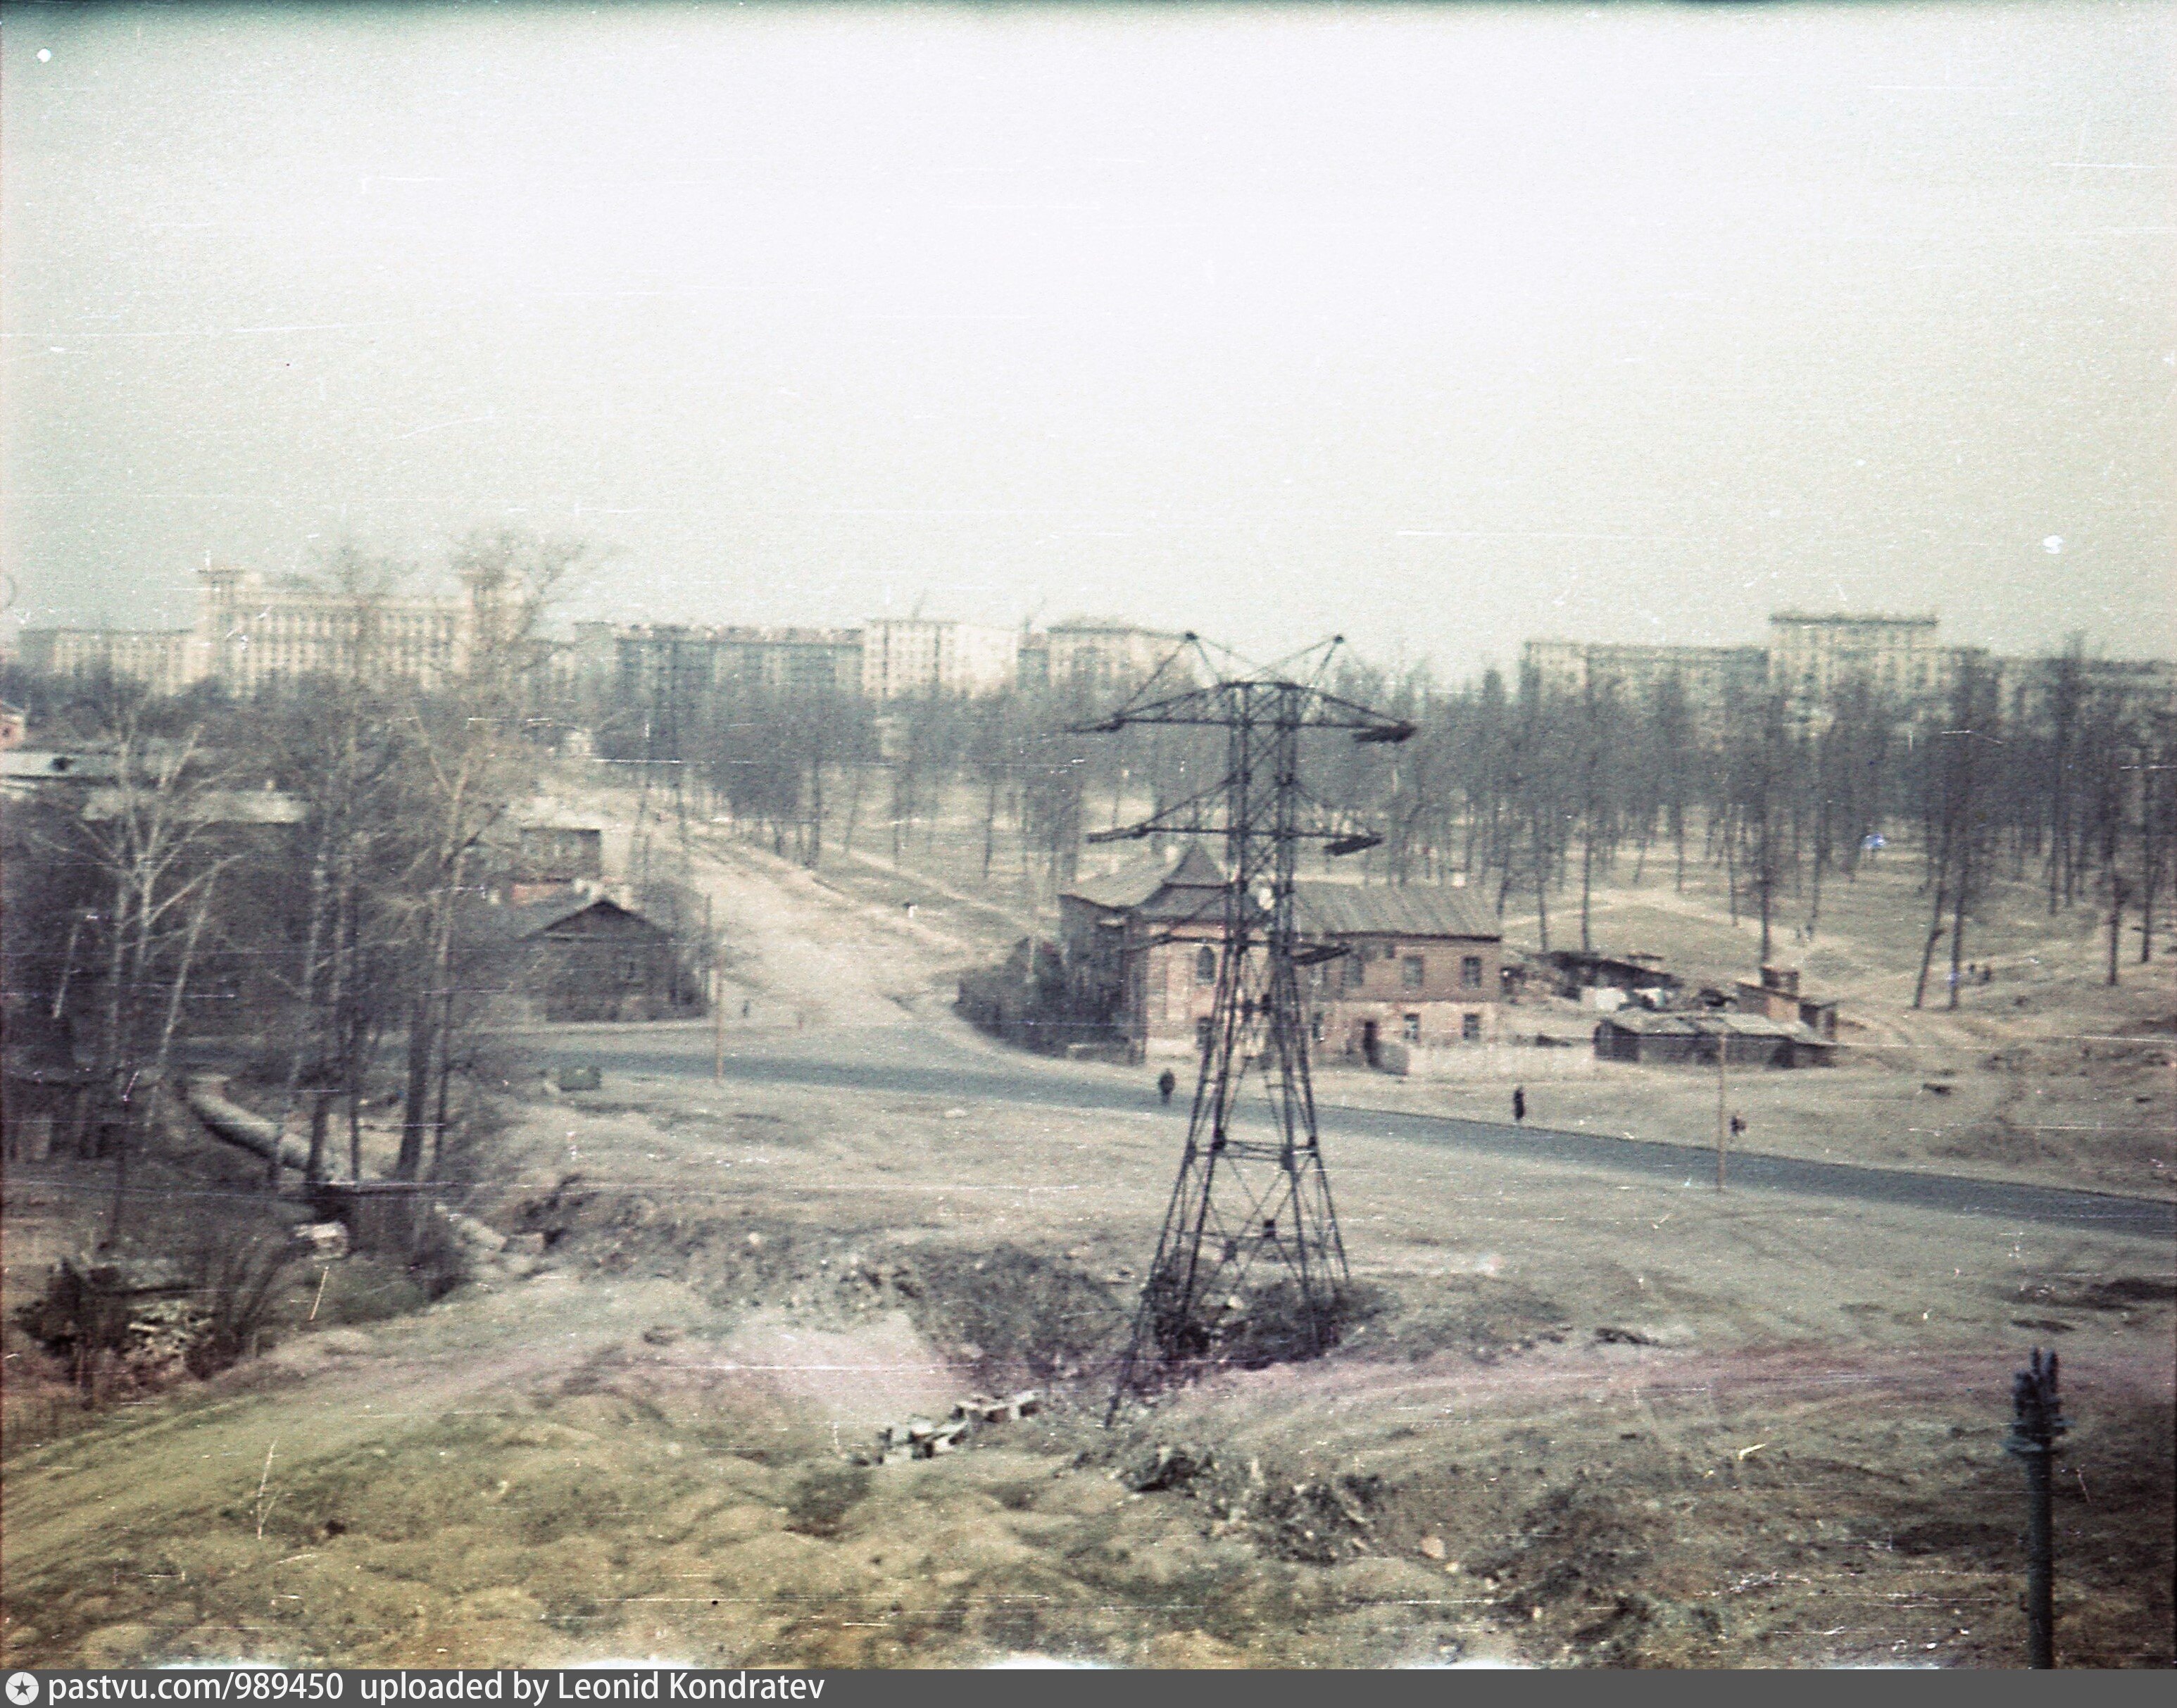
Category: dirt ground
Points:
column 2045, row 1073
column 1583, row 1422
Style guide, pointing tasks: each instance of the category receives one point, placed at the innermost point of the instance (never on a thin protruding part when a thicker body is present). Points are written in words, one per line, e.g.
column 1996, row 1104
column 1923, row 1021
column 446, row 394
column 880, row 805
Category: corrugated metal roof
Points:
column 1642, row 1024
column 1191, row 890
column 1129, row 886
column 1143, row 881
column 1425, row 910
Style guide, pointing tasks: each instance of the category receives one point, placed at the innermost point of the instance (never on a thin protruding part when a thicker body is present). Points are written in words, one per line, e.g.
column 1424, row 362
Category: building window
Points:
column 1469, row 1028
column 1413, row 1028
column 1203, row 1034
column 631, row 969
column 1355, row 970
column 1205, row 966
column 1417, row 969
column 1470, row 971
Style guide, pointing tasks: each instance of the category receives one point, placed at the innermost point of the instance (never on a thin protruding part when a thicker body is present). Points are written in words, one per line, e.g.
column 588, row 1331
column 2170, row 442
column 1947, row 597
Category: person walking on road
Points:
column 1518, row 1103
column 1167, row 1083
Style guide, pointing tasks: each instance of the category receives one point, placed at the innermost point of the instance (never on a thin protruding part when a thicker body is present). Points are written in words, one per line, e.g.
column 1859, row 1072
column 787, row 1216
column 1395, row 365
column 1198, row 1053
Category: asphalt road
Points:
column 912, row 1061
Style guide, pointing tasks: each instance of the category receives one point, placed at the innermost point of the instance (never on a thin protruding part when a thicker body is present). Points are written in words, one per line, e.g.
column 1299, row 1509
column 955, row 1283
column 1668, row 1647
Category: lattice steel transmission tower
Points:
column 1251, row 1232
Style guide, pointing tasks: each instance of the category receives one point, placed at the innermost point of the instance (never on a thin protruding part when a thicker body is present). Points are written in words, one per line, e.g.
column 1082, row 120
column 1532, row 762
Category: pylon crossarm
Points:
column 1211, row 706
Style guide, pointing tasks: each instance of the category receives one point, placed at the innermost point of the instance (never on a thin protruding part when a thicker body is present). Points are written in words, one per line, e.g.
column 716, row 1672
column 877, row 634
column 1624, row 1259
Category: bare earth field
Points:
column 1590, row 1420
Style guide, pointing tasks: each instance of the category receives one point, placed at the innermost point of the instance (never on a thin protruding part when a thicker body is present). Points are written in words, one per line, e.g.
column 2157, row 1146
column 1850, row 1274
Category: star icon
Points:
column 22, row 1689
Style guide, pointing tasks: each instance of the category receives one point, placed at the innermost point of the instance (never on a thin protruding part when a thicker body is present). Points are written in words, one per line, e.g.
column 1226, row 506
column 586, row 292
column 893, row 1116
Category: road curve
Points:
column 982, row 1079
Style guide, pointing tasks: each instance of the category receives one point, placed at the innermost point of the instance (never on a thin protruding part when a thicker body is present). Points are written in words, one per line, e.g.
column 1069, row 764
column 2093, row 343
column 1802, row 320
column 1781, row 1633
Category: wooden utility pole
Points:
column 718, row 1015
column 718, row 994
column 1722, row 1117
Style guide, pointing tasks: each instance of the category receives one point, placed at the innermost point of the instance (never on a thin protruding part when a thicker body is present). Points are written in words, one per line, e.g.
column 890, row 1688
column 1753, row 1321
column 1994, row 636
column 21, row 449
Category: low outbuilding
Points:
column 1753, row 1041
column 1777, row 994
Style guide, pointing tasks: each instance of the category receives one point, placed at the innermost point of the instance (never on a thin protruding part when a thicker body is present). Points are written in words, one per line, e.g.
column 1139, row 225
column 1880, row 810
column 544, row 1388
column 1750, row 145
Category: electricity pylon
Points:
column 1251, row 1225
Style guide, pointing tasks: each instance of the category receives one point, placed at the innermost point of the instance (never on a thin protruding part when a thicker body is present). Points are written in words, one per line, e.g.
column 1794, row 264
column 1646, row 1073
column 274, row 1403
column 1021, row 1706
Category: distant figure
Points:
column 1737, row 1126
column 744, row 1007
column 1167, row 1083
column 1986, row 973
column 1518, row 1103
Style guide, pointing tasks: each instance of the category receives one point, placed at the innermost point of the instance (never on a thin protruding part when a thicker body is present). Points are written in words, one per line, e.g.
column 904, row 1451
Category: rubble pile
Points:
column 921, row 1438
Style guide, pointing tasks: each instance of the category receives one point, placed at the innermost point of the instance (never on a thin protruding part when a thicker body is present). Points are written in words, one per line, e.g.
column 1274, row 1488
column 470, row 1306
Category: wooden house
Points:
column 576, row 957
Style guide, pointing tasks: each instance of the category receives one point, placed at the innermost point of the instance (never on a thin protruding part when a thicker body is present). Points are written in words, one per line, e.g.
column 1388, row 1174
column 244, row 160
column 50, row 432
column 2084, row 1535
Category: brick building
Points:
column 1416, row 967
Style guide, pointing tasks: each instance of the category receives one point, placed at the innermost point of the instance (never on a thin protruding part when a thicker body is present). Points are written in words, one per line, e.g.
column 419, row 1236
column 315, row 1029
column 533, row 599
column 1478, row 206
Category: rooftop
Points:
column 1422, row 910
column 1642, row 1024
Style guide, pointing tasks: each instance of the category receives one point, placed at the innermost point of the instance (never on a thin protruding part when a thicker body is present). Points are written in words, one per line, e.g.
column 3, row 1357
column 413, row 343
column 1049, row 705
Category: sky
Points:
column 1440, row 327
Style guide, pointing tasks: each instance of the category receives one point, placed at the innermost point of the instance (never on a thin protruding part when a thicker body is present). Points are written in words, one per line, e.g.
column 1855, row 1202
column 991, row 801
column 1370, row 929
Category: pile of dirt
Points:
column 1010, row 1314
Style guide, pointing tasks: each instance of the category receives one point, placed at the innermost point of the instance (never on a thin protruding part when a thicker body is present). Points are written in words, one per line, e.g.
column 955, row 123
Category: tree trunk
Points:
column 1958, row 916
column 1586, row 888
column 2118, row 897
column 159, row 1064
column 307, row 1018
column 1934, row 933
column 415, row 1101
column 1542, row 888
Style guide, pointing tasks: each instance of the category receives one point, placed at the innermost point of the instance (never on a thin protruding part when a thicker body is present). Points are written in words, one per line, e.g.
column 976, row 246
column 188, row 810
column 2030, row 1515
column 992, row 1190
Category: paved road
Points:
column 912, row 1060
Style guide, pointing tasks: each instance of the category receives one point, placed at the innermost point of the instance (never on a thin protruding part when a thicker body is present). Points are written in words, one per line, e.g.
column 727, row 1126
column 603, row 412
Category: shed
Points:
column 1778, row 995
column 1629, row 970
column 1753, row 1041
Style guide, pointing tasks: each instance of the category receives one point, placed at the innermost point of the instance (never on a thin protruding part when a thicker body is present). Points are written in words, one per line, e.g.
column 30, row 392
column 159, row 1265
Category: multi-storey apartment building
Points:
column 253, row 630
column 636, row 660
column 1710, row 675
column 913, row 658
column 1810, row 656
column 250, row 630
column 163, row 660
column 1099, row 656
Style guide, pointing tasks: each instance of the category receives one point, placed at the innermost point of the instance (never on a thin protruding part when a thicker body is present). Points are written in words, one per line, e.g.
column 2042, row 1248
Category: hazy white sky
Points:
column 1441, row 326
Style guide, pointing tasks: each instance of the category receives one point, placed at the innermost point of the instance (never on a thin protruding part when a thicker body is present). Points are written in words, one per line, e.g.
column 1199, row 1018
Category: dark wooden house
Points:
column 42, row 1089
column 575, row 958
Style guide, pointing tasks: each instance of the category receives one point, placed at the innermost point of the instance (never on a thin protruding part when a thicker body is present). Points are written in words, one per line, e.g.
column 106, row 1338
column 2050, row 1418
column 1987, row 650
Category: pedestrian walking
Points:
column 1167, row 1083
column 1737, row 1126
column 1518, row 1103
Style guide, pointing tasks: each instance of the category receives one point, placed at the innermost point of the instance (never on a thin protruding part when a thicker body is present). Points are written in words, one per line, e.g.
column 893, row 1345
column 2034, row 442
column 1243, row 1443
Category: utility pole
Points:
column 1250, row 1227
column 2036, row 1423
column 718, row 994
column 1722, row 1118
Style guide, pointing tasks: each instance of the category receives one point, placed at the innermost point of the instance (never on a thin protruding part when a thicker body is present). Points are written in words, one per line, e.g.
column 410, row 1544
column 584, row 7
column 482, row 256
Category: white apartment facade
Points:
column 917, row 658
column 251, row 630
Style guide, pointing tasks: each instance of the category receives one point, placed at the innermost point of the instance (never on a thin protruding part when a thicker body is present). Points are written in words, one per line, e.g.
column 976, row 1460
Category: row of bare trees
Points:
column 1537, row 794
